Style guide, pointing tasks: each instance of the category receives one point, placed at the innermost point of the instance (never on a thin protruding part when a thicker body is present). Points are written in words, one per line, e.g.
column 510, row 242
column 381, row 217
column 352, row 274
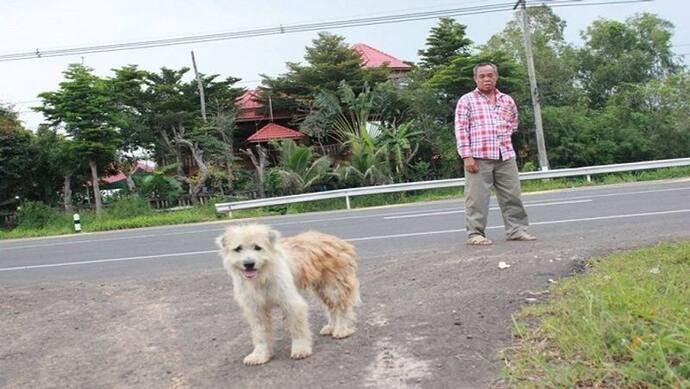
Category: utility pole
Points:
column 541, row 145
column 201, row 89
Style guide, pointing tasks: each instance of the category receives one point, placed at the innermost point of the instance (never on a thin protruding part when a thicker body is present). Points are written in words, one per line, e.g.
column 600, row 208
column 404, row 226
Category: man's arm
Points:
column 513, row 117
column 463, row 137
column 462, row 129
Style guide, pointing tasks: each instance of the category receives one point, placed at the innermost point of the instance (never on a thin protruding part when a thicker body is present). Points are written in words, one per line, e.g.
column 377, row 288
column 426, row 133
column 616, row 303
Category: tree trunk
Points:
column 198, row 155
column 67, row 194
column 260, row 166
column 96, row 188
column 229, row 159
column 131, row 186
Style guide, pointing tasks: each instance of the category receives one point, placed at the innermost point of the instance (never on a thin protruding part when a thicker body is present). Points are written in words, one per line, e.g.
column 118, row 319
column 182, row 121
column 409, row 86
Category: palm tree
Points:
column 399, row 142
column 298, row 169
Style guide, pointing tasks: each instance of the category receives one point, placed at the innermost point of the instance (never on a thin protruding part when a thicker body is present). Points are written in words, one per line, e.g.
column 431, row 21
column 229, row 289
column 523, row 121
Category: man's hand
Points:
column 470, row 165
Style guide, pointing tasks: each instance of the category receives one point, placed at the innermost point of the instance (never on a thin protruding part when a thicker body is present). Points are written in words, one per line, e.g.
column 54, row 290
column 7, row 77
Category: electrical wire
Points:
column 400, row 18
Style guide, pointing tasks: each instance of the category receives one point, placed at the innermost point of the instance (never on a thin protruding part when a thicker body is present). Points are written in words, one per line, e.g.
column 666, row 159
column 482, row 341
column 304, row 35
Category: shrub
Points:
column 126, row 207
column 35, row 215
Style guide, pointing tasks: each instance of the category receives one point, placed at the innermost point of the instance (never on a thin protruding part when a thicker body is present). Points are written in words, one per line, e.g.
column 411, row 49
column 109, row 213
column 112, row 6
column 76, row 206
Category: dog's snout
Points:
column 248, row 264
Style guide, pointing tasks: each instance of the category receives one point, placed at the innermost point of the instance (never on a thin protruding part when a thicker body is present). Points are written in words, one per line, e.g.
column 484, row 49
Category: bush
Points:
column 126, row 207
column 35, row 215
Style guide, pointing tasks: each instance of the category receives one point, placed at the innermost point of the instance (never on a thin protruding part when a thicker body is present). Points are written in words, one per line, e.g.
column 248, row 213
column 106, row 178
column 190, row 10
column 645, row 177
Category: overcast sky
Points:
column 28, row 25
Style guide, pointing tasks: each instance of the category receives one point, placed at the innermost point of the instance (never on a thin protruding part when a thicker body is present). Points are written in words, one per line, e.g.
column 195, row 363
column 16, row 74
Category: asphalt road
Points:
column 435, row 313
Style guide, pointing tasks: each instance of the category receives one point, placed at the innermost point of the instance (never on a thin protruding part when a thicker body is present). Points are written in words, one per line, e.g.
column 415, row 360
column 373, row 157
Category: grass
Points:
column 623, row 324
column 132, row 216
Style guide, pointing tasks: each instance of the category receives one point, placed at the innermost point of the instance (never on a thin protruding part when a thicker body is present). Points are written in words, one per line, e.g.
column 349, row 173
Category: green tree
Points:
column 555, row 61
column 16, row 159
column 446, row 40
column 299, row 168
column 402, row 144
column 456, row 78
column 617, row 53
column 83, row 106
column 329, row 61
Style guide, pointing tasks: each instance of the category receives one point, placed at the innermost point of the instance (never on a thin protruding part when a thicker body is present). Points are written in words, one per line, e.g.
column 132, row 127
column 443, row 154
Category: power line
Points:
column 399, row 18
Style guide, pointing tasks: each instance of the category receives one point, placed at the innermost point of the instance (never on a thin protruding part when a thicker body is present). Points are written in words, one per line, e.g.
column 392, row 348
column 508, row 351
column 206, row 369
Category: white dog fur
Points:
column 269, row 272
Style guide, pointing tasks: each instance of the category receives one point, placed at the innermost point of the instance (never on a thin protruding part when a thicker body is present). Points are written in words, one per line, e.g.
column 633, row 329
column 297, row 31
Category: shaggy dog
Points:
column 269, row 272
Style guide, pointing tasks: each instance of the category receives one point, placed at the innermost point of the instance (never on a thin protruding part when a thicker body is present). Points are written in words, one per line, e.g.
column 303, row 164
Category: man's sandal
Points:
column 478, row 240
column 522, row 236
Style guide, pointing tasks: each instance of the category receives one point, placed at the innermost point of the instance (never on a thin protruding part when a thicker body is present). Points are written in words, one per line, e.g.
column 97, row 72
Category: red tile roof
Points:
column 141, row 165
column 252, row 110
column 374, row 58
column 274, row 131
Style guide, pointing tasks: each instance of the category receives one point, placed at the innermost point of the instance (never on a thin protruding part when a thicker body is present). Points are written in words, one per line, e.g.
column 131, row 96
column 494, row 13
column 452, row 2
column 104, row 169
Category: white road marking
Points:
column 491, row 209
column 395, row 236
column 107, row 260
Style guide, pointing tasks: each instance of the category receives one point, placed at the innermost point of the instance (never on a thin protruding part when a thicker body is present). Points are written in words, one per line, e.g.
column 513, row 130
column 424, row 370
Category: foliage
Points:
column 617, row 53
column 159, row 185
column 329, row 61
column 299, row 170
column 128, row 206
column 35, row 215
column 446, row 40
column 15, row 157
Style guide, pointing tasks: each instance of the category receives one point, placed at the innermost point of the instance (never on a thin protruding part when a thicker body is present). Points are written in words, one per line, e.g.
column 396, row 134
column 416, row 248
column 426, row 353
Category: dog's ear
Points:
column 273, row 236
column 220, row 241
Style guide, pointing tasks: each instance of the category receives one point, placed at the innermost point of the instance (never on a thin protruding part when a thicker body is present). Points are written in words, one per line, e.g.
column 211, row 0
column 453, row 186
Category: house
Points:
column 256, row 116
column 119, row 180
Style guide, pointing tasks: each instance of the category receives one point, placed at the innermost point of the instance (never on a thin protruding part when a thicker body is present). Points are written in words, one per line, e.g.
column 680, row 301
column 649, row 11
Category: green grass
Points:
column 131, row 215
column 623, row 324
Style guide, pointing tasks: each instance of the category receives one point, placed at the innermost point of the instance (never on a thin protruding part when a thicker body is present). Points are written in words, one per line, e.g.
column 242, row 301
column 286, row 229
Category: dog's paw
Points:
column 326, row 330
column 256, row 359
column 300, row 352
column 340, row 333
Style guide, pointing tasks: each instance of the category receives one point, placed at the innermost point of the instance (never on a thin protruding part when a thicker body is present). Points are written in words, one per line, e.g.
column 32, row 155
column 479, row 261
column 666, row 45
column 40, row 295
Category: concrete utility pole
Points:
column 541, row 145
column 201, row 89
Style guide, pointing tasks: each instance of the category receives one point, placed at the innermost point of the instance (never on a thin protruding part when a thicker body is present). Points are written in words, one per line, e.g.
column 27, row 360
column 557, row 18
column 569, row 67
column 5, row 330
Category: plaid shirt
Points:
column 483, row 130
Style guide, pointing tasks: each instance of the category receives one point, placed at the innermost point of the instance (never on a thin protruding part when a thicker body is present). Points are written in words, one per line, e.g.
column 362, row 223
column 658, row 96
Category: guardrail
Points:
column 454, row 182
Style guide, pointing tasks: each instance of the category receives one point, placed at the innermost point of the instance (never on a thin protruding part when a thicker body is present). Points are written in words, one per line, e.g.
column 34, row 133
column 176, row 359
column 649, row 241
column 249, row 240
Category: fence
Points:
column 455, row 182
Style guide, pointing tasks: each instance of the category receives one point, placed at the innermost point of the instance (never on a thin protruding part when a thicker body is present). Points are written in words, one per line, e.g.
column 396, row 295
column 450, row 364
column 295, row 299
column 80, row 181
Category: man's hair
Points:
column 477, row 66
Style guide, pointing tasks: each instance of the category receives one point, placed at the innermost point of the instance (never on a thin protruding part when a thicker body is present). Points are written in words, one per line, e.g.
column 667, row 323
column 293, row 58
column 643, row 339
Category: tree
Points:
column 401, row 142
column 84, row 107
column 16, row 159
column 555, row 61
column 456, row 78
column 163, row 114
column 617, row 53
column 446, row 40
column 329, row 61
column 299, row 168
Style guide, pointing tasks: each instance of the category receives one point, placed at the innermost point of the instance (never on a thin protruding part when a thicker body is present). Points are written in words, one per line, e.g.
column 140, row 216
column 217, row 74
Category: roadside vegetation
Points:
column 37, row 219
column 624, row 323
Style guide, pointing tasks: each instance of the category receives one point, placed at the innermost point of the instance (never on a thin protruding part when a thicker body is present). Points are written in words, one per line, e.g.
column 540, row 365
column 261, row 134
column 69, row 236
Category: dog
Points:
column 269, row 272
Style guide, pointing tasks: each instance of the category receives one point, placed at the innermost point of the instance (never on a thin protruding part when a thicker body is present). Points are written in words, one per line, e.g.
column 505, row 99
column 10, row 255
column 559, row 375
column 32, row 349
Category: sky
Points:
column 28, row 25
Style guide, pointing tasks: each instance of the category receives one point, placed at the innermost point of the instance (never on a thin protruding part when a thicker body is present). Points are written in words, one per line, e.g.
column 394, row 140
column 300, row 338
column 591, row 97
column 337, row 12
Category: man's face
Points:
column 486, row 78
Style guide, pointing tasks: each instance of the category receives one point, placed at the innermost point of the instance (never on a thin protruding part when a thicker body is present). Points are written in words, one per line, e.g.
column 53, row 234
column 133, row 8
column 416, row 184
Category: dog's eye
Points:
column 237, row 249
column 257, row 247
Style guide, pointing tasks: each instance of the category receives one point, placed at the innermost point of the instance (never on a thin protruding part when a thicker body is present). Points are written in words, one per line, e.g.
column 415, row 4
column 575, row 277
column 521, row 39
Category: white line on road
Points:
column 407, row 235
column 491, row 209
column 107, row 260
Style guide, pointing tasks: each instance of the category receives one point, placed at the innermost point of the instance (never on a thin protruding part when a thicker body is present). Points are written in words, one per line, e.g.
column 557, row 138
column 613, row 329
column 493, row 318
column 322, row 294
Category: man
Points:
column 484, row 121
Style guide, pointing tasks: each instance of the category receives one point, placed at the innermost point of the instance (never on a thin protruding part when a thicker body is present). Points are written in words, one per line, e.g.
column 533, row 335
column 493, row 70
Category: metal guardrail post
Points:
column 347, row 201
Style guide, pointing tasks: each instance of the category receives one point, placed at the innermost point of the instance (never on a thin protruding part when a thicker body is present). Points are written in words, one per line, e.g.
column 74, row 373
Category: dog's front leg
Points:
column 297, row 315
column 262, row 335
